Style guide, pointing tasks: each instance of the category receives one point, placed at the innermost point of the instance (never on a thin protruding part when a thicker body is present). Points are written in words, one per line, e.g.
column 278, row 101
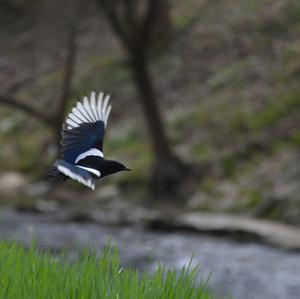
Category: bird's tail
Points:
column 54, row 174
column 63, row 170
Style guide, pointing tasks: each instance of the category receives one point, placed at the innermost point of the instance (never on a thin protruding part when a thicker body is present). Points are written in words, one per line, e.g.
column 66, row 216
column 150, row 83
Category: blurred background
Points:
column 206, row 113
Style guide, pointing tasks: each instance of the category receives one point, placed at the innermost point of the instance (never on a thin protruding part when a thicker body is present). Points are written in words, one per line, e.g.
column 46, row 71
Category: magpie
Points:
column 82, row 158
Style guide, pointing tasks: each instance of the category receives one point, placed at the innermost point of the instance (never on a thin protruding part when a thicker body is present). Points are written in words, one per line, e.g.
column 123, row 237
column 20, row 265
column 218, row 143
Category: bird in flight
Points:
column 82, row 158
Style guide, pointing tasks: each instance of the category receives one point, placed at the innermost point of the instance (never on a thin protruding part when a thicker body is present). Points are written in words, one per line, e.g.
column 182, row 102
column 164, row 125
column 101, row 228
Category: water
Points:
column 244, row 270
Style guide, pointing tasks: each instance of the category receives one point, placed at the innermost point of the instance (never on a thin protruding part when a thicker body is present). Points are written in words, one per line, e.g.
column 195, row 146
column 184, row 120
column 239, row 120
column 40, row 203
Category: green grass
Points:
column 30, row 273
column 296, row 139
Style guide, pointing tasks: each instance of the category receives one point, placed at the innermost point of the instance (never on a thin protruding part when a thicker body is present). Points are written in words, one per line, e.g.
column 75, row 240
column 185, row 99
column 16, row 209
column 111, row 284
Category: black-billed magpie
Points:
column 83, row 132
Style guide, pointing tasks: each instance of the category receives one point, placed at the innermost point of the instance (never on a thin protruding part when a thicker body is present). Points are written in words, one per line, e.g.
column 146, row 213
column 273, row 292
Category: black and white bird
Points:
column 83, row 132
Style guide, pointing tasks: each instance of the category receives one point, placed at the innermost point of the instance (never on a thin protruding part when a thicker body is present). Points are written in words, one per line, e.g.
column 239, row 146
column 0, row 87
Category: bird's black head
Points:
column 111, row 166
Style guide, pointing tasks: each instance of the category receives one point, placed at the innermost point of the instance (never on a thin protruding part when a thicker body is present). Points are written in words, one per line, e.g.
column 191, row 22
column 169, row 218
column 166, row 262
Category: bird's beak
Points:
column 127, row 169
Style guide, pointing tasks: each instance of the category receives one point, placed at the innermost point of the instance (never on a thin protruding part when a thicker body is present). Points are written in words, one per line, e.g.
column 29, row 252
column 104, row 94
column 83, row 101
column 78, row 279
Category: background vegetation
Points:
column 225, row 79
column 206, row 110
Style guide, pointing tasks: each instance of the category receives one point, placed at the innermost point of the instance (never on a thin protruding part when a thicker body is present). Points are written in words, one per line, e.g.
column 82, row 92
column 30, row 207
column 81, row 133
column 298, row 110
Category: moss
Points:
column 200, row 117
column 274, row 112
column 180, row 121
column 268, row 116
column 209, row 186
column 182, row 21
column 230, row 74
column 229, row 165
column 272, row 210
column 200, row 151
column 254, row 198
column 186, row 17
column 275, row 213
column 129, row 139
column 295, row 139
column 292, row 12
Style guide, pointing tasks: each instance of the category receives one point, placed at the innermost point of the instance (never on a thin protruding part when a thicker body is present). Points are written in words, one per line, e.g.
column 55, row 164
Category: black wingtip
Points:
column 54, row 175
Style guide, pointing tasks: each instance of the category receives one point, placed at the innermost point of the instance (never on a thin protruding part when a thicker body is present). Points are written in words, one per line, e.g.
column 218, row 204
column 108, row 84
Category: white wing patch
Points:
column 92, row 170
column 89, row 183
column 90, row 110
column 91, row 152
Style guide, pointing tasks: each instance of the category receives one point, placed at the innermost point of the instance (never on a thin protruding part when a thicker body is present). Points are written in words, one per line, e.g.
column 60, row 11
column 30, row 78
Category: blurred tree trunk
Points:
column 168, row 170
column 144, row 26
column 150, row 107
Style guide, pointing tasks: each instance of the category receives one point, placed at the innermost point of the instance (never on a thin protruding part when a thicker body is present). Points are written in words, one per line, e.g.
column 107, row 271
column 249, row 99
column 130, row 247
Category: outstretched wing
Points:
column 84, row 129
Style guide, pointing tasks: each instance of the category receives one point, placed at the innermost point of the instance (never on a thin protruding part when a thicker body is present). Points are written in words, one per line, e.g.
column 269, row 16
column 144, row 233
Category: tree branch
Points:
column 10, row 101
column 110, row 11
column 10, row 6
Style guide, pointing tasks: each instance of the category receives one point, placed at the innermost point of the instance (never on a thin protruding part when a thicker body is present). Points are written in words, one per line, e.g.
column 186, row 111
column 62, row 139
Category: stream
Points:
column 244, row 270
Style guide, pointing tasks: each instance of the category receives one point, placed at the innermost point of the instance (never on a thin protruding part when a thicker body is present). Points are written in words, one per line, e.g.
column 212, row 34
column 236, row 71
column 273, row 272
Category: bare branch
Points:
column 110, row 11
column 10, row 101
column 10, row 6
